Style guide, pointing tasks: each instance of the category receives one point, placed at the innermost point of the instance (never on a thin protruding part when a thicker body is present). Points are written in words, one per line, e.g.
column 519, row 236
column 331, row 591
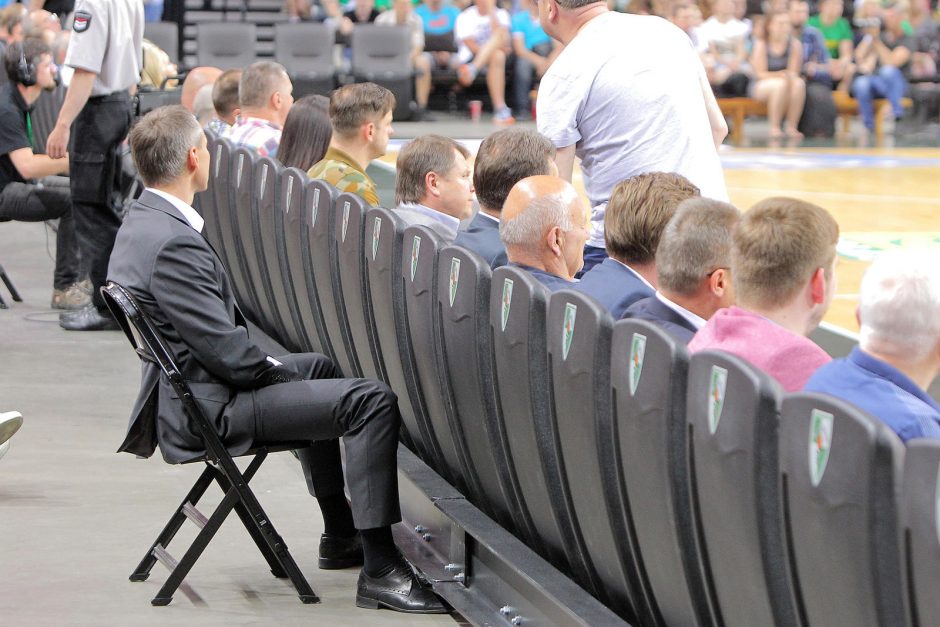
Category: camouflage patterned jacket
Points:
column 341, row 171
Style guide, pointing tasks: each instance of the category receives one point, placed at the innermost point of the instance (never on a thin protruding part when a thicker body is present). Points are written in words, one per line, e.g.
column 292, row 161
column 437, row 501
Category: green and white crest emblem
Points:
column 637, row 352
column 415, row 250
column 290, row 188
column 506, row 303
column 376, row 229
column 345, row 219
column 454, row 278
column 716, row 397
column 567, row 331
column 820, row 442
column 316, row 207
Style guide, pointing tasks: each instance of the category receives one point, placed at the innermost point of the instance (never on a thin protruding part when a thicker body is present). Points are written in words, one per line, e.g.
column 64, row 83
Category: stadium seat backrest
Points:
column 242, row 180
column 381, row 51
column 840, row 475
column 518, row 310
column 223, row 190
column 225, row 45
column 306, row 52
column 920, row 526
column 733, row 413
column 578, row 339
column 649, row 375
column 204, row 202
column 268, row 227
column 165, row 35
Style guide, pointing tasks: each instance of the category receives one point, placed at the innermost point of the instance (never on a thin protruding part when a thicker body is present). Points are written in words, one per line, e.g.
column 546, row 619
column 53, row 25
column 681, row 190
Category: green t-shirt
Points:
column 834, row 33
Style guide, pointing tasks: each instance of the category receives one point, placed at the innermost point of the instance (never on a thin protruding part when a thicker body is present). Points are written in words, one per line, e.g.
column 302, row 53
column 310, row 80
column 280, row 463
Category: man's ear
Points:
column 430, row 184
column 718, row 282
column 368, row 131
column 554, row 239
column 818, row 286
column 192, row 159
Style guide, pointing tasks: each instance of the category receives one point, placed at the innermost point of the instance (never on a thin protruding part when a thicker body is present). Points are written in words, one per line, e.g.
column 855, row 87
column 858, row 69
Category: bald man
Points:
column 195, row 80
column 544, row 225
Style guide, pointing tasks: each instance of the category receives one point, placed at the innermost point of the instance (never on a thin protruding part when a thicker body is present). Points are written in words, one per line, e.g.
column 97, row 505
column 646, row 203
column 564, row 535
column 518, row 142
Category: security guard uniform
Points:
column 107, row 39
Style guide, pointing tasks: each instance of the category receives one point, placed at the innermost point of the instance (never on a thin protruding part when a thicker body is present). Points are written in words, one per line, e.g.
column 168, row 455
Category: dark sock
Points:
column 337, row 517
column 379, row 551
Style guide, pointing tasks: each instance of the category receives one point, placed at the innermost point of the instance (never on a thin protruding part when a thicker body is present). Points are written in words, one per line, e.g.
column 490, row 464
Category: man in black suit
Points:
column 503, row 159
column 692, row 264
column 251, row 397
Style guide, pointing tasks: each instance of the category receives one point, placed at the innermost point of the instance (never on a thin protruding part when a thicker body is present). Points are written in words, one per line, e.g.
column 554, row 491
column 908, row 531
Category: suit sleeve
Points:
column 186, row 287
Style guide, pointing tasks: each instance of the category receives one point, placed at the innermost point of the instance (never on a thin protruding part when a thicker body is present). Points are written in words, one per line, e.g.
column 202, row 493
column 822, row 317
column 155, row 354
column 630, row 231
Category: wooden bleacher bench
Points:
column 736, row 109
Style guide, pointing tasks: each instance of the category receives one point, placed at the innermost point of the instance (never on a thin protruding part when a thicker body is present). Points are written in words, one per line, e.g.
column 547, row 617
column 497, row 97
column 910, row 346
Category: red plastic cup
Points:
column 476, row 108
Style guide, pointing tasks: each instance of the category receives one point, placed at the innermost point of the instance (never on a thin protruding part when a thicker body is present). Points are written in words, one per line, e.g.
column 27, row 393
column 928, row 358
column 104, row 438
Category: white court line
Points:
column 802, row 192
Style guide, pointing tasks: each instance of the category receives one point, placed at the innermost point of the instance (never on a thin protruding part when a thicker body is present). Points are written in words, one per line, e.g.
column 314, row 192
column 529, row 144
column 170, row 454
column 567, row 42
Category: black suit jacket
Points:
column 482, row 237
column 181, row 284
column 653, row 310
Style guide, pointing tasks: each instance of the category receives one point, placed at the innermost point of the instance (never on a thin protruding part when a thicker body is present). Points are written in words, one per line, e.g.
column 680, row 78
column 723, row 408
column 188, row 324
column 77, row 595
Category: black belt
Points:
column 114, row 96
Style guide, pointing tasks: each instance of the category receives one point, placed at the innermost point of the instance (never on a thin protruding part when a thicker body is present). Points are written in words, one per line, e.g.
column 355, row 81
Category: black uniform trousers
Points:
column 321, row 409
column 94, row 168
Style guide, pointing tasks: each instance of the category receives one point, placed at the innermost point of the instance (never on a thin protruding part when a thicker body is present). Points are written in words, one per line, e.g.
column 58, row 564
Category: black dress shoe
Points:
column 337, row 552
column 87, row 319
column 399, row 590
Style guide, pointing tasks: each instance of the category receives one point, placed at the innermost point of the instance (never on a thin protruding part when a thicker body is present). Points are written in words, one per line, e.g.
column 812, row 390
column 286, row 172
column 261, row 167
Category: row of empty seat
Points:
column 678, row 490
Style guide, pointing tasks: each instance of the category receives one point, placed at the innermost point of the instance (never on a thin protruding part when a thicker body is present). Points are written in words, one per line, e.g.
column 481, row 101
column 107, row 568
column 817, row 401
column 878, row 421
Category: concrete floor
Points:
column 75, row 517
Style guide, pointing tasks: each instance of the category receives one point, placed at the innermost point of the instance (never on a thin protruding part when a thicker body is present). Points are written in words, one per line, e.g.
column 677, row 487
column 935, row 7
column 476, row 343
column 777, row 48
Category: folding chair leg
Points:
column 6, row 281
column 198, row 546
column 176, row 521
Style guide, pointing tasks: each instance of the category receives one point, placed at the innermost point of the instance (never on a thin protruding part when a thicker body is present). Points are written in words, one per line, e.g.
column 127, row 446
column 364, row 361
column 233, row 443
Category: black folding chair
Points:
column 220, row 467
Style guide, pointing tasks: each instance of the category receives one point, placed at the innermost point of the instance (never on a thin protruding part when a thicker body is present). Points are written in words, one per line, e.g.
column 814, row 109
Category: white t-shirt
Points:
column 471, row 25
column 627, row 92
column 725, row 36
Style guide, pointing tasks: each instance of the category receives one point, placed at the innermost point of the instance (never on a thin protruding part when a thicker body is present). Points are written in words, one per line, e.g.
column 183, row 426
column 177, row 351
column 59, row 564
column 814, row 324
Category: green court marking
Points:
column 865, row 246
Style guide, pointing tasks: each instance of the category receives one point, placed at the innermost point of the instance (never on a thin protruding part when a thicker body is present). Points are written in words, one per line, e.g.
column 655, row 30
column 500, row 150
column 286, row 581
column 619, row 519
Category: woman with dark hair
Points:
column 306, row 134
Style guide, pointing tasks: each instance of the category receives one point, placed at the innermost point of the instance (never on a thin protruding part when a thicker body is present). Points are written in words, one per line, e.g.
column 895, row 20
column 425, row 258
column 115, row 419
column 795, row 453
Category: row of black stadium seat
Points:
column 678, row 490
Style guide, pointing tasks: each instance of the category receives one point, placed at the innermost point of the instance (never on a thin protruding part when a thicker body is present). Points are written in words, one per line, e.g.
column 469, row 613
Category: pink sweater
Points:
column 789, row 358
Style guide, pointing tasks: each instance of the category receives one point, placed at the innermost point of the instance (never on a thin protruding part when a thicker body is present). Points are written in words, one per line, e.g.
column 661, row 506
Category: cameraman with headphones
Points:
column 30, row 191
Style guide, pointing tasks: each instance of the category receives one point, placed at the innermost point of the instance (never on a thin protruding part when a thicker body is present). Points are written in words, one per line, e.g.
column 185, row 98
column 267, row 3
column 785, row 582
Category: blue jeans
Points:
column 887, row 82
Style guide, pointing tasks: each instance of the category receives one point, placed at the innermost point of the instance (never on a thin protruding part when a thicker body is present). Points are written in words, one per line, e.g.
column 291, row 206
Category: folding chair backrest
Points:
column 733, row 414
column 165, row 35
column 349, row 282
column 920, row 526
column 306, row 52
column 419, row 280
column 225, row 45
column 383, row 233
column 267, row 229
column 649, row 377
column 293, row 285
column 579, row 333
column 462, row 310
column 840, row 473
column 518, row 309
column 321, row 197
column 247, row 285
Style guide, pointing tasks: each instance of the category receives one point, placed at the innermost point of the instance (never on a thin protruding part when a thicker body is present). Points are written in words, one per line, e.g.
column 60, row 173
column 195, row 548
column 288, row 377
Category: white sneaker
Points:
column 10, row 422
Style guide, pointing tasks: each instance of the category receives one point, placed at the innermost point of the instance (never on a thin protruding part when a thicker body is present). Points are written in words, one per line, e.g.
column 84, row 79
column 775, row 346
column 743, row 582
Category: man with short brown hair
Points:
column 637, row 213
column 225, row 101
column 361, row 116
column 433, row 186
column 783, row 257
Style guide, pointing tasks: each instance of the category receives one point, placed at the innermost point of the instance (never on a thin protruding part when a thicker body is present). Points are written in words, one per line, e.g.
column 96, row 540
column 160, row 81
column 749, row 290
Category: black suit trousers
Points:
column 321, row 409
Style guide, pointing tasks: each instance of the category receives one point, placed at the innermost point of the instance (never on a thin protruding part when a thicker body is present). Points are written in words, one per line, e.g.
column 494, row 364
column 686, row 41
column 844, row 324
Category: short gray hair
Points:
column 428, row 153
column 696, row 241
column 528, row 227
column 258, row 82
column 160, row 142
column 899, row 301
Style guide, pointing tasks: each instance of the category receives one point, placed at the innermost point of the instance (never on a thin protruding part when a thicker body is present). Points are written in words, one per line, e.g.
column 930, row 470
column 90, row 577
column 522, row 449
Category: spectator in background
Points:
column 159, row 72
column 503, row 159
column 683, row 15
column 203, row 108
column 265, row 94
column 924, row 60
column 898, row 354
column 225, row 101
column 361, row 116
column 433, row 187
column 363, row 12
column 783, row 258
column 637, row 213
column 482, row 32
column 839, row 38
column 819, row 111
column 725, row 40
column 884, row 56
column 777, row 62
column 402, row 14
column 307, row 132
column 11, row 25
column 693, row 269
column 439, row 18
column 534, row 51
column 195, row 79
column 544, row 226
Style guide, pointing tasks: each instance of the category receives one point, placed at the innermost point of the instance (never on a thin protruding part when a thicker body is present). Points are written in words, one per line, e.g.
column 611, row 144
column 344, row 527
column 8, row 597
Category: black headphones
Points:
column 25, row 71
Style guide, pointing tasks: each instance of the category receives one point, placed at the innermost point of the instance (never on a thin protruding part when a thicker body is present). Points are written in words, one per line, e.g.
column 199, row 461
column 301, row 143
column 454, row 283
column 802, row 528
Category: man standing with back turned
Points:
column 627, row 95
column 106, row 52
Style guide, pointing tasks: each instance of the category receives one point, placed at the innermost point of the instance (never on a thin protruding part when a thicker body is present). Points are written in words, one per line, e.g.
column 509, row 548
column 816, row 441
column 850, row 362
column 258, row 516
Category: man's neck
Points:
column 791, row 317
column 179, row 189
column 29, row 94
column 548, row 263
column 922, row 373
column 262, row 114
column 493, row 213
column 573, row 21
column 361, row 154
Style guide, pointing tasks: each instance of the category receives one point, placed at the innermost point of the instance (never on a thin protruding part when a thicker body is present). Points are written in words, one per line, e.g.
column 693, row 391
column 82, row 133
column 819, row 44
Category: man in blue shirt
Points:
column 544, row 226
column 899, row 347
